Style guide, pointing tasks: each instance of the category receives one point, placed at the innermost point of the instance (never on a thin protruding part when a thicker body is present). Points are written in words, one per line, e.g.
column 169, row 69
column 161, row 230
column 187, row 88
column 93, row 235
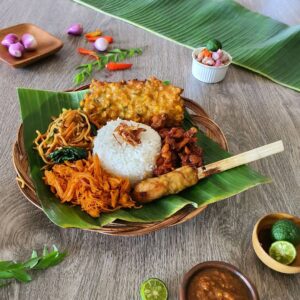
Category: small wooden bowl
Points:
column 47, row 45
column 215, row 265
column 261, row 241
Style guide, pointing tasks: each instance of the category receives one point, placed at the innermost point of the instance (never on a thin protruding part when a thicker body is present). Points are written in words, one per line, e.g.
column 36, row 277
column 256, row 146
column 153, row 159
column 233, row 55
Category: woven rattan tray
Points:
column 122, row 228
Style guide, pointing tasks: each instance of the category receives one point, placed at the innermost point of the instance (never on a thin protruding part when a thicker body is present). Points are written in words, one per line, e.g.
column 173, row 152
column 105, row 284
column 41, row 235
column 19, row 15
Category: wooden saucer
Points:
column 47, row 45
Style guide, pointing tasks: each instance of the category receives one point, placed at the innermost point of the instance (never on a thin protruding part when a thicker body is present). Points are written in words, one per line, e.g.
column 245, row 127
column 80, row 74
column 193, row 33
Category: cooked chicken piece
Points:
column 167, row 184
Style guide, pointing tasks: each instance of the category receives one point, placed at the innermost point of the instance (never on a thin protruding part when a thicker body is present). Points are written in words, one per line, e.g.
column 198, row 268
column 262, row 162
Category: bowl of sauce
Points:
column 216, row 280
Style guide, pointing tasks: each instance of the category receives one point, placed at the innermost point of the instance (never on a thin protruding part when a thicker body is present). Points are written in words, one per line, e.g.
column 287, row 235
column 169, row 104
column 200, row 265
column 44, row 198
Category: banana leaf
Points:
column 256, row 42
column 37, row 108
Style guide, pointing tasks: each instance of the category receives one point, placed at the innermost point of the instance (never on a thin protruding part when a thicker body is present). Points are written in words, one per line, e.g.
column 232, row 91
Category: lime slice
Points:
column 282, row 251
column 153, row 289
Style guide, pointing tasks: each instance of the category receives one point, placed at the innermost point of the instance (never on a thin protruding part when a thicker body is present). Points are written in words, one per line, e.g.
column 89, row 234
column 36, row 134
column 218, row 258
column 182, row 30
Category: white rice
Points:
column 120, row 158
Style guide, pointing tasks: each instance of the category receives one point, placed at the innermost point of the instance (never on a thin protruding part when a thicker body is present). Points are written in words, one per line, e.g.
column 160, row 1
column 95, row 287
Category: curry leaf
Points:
column 19, row 271
column 115, row 55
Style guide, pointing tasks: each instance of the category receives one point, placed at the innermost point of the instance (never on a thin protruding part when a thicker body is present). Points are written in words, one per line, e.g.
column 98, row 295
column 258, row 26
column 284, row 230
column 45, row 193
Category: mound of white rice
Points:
column 120, row 158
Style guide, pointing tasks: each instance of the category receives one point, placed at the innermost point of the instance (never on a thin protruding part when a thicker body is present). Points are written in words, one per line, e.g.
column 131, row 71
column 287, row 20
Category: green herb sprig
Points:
column 115, row 55
column 19, row 270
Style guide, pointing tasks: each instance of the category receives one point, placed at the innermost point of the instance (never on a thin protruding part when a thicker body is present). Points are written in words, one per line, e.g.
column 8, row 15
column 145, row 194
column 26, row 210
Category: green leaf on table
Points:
column 104, row 60
column 31, row 263
column 115, row 51
column 21, row 275
column 50, row 259
column 34, row 254
column 19, row 271
column 5, row 264
column 37, row 115
column 79, row 78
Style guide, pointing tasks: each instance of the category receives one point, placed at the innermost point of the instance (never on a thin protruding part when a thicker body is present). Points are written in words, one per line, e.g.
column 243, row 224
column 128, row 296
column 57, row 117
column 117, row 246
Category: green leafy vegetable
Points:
column 37, row 115
column 94, row 129
column 115, row 55
column 67, row 153
column 166, row 82
column 13, row 270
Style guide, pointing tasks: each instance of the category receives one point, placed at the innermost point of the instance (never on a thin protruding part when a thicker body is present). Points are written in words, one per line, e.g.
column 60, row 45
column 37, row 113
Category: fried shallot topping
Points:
column 179, row 149
column 130, row 134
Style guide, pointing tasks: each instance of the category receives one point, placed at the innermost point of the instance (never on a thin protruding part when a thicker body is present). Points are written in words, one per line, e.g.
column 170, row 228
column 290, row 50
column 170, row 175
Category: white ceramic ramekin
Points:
column 208, row 74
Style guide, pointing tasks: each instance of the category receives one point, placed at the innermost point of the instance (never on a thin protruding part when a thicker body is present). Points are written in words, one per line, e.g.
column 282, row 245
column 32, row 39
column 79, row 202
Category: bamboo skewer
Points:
column 240, row 159
column 184, row 177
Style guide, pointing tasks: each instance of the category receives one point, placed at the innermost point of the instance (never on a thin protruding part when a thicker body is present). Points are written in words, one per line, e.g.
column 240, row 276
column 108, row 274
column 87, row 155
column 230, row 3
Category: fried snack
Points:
column 85, row 183
column 70, row 129
column 179, row 148
column 167, row 184
column 134, row 100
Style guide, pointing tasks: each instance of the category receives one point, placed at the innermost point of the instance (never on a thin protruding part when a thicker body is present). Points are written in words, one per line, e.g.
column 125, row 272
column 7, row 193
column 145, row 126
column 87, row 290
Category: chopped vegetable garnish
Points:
column 166, row 82
column 216, row 59
column 88, row 52
column 93, row 34
column 94, row 38
column 113, row 66
column 109, row 38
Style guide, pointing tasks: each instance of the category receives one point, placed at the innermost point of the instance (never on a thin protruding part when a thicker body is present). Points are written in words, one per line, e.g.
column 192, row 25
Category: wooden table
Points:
column 251, row 110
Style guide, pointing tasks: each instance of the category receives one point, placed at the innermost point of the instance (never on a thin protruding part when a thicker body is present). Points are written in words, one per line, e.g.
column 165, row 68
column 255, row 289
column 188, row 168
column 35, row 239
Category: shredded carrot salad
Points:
column 71, row 128
column 85, row 183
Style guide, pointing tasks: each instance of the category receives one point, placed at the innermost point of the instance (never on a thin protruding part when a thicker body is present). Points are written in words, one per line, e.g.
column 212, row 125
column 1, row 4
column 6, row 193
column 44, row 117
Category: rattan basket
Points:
column 122, row 228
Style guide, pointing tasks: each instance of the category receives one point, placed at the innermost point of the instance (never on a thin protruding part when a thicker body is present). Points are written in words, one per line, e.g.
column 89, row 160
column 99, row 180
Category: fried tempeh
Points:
column 134, row 100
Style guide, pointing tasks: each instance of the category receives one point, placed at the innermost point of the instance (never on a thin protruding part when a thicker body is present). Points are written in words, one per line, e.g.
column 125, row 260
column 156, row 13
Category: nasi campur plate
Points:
column 101, row 156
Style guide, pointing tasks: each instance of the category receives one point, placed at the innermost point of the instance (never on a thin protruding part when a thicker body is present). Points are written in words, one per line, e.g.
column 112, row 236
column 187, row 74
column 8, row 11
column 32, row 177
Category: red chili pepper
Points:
column 88, row 52
column 109, row 38
column 113, row 66
column 93, row 34
column 94, row 38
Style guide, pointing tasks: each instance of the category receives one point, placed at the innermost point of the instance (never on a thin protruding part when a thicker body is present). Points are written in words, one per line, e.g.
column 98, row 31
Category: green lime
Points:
column 286, row 230
column 153, row 289
column 283, row 251
column 213, row 45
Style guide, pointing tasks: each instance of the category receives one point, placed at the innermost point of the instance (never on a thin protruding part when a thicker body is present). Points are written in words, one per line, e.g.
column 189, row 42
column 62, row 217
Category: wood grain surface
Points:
column 251, row 110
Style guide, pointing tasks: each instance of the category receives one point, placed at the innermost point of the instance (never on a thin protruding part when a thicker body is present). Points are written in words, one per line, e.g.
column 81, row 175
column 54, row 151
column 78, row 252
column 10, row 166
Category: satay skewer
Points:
column 174, row 182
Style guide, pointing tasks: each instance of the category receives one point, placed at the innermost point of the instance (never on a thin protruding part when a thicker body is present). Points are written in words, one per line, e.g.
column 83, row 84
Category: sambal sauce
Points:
column 216, row 284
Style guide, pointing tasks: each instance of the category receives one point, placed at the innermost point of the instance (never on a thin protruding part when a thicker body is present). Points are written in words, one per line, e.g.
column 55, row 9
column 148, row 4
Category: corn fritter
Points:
column 133, row 100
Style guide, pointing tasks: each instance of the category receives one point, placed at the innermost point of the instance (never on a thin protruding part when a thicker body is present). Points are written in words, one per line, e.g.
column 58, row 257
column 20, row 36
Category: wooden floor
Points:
column 251, row 110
